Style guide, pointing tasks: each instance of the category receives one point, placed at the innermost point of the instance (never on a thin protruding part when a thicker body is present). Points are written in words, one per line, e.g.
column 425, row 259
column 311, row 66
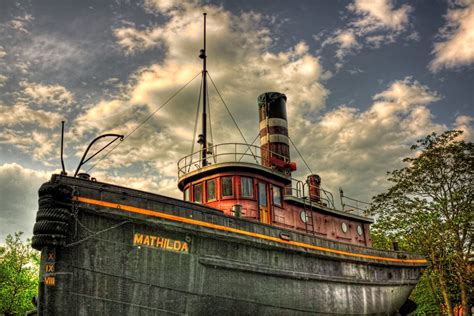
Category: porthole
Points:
column 344, row 227
column 304, row 216
column 359, row 230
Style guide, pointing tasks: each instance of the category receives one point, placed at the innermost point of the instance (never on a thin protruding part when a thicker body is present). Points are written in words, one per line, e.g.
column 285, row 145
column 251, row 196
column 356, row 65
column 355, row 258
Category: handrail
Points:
column 298, row 189
column 225, row 152
column 326, row 198
column 357, row 207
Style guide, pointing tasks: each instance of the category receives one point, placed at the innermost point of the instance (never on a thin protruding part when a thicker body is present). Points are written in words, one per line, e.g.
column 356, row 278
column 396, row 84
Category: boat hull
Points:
column 132, row 253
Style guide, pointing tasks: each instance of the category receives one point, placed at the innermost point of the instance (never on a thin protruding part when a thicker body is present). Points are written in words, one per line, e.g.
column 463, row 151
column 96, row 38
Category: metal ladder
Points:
column 309, row 224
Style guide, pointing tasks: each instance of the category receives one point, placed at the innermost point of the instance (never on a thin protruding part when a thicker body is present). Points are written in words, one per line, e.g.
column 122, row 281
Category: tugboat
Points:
column 247, row 239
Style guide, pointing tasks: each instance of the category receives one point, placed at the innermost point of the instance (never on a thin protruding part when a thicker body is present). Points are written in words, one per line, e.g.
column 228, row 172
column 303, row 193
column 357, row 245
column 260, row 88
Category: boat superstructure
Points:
column 255, row 182
column 247, row 239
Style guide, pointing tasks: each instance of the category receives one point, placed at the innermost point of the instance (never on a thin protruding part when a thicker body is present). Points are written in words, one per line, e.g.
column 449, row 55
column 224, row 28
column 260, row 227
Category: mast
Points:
column 203, row 137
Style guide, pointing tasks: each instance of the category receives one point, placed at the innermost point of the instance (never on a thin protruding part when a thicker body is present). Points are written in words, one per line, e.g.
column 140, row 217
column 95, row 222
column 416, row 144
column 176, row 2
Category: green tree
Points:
column 18, row 276
column 429, row 207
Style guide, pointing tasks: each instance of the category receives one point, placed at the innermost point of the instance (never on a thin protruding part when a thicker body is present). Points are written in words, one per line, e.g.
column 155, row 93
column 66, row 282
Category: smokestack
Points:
column 274, row 130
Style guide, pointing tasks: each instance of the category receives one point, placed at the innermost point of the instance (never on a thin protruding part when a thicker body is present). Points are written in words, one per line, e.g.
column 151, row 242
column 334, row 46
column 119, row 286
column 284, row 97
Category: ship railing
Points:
column 224, row 153
column 352, row 205
column 301, row 189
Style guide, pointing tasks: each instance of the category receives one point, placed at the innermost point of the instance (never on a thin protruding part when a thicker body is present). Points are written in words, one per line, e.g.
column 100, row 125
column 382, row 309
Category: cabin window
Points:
column 246, row 187
column 360, row 231
column 262, row 194
column 186, row 194
column 211, row 190
column 344, row 227
column 304, row 216
column 276, row 196
column 226, row 186
column 198, row 193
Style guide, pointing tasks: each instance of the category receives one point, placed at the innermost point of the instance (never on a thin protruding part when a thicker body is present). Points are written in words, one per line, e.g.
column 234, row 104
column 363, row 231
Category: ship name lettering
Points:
column 160, row 242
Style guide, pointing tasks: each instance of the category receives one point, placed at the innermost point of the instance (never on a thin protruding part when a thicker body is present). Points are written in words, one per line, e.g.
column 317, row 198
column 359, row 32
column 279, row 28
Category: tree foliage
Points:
column 429, row 210
column 18, row 276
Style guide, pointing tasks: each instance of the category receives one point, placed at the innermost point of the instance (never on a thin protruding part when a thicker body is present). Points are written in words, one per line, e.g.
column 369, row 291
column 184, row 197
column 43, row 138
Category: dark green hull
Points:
column 127, row 252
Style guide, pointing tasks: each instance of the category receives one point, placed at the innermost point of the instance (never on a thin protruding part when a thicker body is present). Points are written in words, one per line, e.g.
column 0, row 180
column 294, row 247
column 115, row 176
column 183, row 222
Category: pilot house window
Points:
column 276, row 196
column 211, row 190
column 226, row 186
column 198, row 193
column 186, row 194
column 262, row 194
column 246, row 185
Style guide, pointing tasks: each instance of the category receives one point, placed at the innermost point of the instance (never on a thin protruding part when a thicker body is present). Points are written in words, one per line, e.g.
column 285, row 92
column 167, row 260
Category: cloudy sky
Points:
column 364, row 80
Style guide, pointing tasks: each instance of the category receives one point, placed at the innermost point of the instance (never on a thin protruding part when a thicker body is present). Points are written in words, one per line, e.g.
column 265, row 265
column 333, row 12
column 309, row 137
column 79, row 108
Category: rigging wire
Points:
column 258, row 134
column 301, row 156
column 231, row 116
column 143, row 122
column 245, row 152
column 196, row 120
column 330, row 200
column 210, row 123
column 210, row 127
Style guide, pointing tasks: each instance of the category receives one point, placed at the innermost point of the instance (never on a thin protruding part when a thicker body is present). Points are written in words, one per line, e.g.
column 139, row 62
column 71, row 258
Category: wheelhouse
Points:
column 236, row 182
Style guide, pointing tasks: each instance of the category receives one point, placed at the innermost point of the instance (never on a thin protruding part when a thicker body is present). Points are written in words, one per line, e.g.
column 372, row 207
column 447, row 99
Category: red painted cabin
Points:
column 255, row 183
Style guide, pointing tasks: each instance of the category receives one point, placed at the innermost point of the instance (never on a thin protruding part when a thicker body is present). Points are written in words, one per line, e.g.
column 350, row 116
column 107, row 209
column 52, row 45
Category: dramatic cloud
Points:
column 457, row 49
column 21, row 23
column 165, row 6
column 464, row 123
column 37, row 145
column 29, row 130
column 3, row 79
column 374, row 22
column 18, row 139
column 105, row 115
column 50, row 95
column 51, row 54
column 354, row 149
column 346, row 41
column 133, row 40
column 375, row 15
column 19, row 196
column 20, row 114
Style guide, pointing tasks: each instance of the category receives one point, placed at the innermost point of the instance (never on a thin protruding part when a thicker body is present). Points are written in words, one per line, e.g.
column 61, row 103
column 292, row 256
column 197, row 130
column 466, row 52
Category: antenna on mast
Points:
column 202, row 139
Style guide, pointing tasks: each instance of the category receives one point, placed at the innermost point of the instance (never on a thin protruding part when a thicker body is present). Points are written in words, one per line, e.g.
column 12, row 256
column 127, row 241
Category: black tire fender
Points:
column 41, row 240
column 54, row 214
column 44, row 226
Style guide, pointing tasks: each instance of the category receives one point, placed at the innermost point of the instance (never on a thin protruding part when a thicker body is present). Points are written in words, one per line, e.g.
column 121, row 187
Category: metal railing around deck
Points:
column 352, row 205
column 226, row 152
column 301, row 189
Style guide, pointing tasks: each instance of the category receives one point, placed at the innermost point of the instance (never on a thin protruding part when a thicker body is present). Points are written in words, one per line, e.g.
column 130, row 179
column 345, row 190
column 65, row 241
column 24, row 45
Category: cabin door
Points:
column 263, row 208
